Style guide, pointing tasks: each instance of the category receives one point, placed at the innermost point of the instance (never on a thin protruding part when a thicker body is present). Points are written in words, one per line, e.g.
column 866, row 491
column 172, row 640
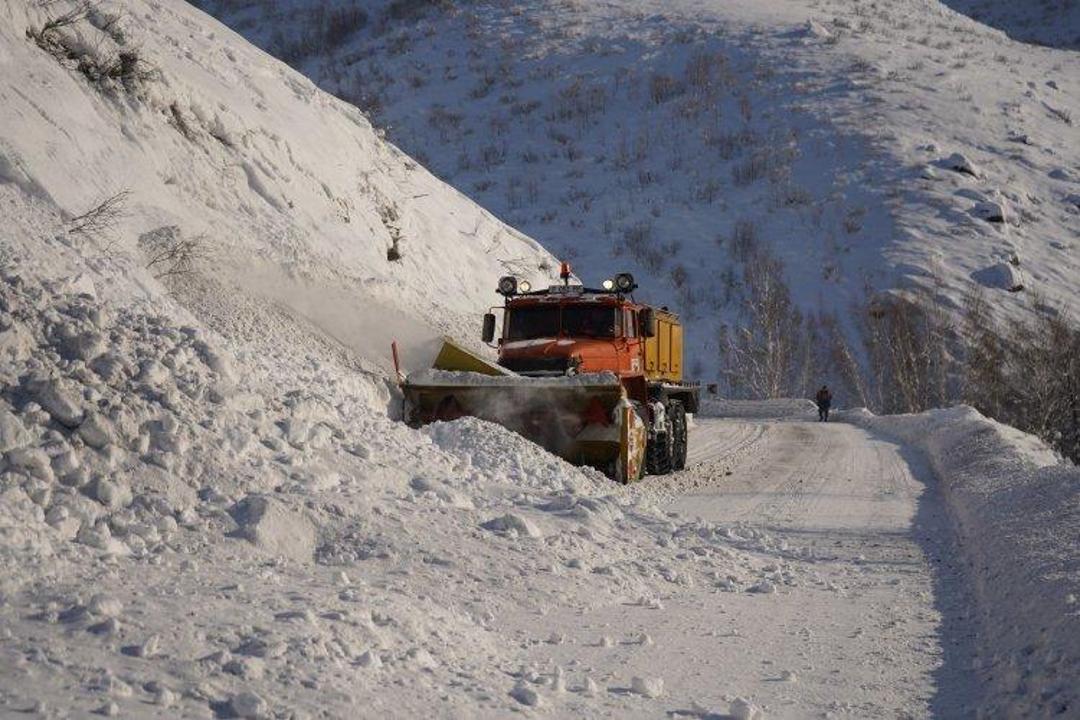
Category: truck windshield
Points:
column 530, row 323
column 588, row 321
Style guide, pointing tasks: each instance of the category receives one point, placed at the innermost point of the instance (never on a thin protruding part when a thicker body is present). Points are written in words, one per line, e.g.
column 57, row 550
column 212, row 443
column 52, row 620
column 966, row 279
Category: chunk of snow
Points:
column 513, row 524
column 96, row 431
column 249, row 706
column 814, row 29
column 990, row 211
column 13, row 433
column 60, row 400
column 268, row 524
column 743, row 709
column 1003, row 275
column 958, row 162
column 526, row 695
column 650, row 687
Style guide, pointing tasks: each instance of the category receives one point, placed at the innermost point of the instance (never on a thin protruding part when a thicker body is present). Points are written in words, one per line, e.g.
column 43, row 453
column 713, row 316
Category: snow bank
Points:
column 1014, row 504
column 793, row 408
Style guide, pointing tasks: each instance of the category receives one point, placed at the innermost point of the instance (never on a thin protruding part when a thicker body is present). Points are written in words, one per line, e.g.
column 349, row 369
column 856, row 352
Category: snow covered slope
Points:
column 280, row 185
column 666, row 137
column 1055, row 23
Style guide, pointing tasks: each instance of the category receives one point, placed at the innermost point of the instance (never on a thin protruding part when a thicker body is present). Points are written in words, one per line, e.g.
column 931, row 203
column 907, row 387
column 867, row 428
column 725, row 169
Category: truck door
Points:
column 633, row 360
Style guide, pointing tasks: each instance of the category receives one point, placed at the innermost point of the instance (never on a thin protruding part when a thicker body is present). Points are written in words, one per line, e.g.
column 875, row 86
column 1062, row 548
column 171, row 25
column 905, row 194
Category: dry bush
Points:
column 906, row 343
column 663, row 88
column 579, row 101
column 1026, row 374
column 101, row 220
column 390, row 215
column 446, row 122
column 169, row 254
column 762, row 356
column 122, row 65
column 407, row 10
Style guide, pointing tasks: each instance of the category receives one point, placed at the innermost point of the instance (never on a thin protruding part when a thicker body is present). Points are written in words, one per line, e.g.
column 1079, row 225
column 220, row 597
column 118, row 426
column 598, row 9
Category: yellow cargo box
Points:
column 664, row 351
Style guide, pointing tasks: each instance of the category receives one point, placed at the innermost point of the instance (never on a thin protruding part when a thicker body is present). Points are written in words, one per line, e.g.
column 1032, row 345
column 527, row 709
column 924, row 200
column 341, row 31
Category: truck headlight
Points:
column 508, row 285
column 624, row 282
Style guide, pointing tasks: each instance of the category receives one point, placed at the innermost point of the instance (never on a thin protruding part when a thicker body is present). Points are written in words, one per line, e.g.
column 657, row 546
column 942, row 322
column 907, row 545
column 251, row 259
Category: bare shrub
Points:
column 414, row 9
column 760, row 355
column 751, row 169
column 1061, row 114
column 791, row 195
column 446, row 122
column 706, row 72
column 483, row 88
column 744, row 241
column 101, row 220
column 579, row 101
column 123, row 66
column 663, row 88
column 492, row 155
column 169, row 254
column 1026, row 374
column 708, row 191
column 679, row 275
column 906, row 340
column 853, row 220
column 390, row 215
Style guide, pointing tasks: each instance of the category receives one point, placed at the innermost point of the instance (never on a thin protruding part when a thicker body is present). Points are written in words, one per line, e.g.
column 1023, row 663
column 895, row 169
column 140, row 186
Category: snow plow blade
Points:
column 584, row 419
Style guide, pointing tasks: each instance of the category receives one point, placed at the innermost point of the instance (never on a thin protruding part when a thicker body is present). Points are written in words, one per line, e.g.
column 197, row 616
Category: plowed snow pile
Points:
column 1014, row 504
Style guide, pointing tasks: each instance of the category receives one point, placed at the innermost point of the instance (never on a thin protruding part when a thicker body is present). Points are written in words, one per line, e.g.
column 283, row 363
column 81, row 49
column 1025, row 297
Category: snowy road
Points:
column 856, row 620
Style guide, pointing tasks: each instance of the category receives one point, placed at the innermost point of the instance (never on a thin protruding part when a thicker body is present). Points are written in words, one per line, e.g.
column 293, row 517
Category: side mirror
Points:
column 489, row 327
column 648, row 322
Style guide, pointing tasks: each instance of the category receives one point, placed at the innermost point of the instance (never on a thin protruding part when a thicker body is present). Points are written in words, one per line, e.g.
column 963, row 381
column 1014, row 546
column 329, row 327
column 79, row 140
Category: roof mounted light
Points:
column 624, row 283
column 508, row 285
column 609, row 284
column 564, row 272
column 524, row 286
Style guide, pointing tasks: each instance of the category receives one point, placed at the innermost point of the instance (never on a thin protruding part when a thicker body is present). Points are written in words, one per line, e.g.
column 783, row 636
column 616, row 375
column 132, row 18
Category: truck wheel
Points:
column 677, row 417
column 659, row 453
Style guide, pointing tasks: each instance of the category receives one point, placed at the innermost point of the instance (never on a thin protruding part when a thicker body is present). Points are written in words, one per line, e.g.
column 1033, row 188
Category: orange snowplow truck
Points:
column 588, row 373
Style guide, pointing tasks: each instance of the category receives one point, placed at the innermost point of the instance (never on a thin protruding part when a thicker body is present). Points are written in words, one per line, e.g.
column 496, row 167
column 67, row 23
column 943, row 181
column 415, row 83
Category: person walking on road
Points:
column 824, row 401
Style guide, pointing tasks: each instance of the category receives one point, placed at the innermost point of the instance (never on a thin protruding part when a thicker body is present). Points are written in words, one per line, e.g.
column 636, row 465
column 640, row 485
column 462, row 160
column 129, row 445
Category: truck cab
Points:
column 570, row 334
column 572, row 330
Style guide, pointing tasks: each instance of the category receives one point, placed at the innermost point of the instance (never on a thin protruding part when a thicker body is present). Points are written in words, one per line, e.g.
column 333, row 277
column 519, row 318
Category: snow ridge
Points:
column 1011, row 500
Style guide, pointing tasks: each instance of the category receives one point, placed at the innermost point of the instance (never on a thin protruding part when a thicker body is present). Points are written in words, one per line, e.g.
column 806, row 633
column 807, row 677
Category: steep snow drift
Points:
column 1014, row 506
column 872, row 146
column 275, row 186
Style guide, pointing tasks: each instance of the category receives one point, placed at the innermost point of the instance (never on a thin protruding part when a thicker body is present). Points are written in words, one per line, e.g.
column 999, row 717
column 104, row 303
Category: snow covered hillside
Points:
column 1055, row 23
column 208, row 509
column 870, row 146
column 217, row 154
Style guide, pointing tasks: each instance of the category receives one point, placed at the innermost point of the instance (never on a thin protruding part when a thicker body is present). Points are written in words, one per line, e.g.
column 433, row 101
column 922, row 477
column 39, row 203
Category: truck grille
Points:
column 537, row 365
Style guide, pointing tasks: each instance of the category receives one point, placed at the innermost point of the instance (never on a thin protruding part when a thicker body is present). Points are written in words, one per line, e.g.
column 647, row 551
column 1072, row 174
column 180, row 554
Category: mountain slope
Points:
column 667, row 137
column 1055, row 23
